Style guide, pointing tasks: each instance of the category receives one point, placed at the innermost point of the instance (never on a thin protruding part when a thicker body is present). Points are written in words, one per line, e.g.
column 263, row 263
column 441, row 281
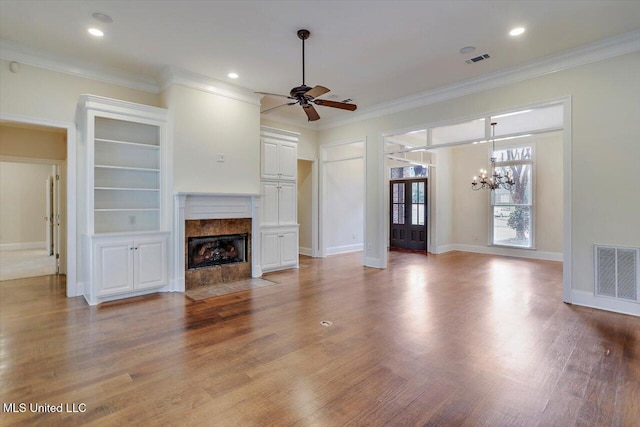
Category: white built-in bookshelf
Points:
column 125, row 227
column 126, row 176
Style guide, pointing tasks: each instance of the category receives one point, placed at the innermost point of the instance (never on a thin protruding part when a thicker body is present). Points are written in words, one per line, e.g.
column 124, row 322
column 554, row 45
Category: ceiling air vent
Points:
column 478, row 58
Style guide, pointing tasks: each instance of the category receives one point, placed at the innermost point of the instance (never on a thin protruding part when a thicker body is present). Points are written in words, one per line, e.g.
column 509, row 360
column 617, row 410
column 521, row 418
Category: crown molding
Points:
column 110, row 105
column 171, row 75
column 12, row 51
column 595, row 52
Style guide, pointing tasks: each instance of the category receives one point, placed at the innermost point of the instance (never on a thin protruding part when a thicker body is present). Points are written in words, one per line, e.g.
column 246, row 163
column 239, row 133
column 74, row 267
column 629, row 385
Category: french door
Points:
column 408, row 214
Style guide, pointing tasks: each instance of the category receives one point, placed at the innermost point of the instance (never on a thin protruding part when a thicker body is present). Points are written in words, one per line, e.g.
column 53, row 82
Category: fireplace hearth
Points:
column 208, row 251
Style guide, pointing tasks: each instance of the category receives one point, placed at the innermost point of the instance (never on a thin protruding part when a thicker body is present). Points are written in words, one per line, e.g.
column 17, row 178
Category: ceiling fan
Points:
column 307, row 96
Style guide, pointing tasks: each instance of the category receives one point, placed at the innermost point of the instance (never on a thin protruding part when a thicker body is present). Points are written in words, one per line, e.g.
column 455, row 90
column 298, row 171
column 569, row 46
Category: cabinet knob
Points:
column 131, row 248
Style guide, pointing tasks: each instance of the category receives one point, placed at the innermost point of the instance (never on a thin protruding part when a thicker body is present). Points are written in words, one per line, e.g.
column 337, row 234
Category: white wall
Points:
column 305, row 194
column 343, row 206
column 605, row 150
column 205, row 125
column 23, row 203
column 441, row 208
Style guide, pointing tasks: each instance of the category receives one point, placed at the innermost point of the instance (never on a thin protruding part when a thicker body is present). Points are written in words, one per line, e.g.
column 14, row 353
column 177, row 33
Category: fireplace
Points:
column 217, row 251
column 210, row 251
column 201, row 215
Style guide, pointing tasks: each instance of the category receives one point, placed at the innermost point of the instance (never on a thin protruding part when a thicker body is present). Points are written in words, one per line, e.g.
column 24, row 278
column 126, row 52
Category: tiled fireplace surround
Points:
column 193, row 215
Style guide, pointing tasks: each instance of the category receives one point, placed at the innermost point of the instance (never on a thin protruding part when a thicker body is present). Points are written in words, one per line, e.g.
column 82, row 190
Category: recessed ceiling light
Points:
column 516, row 31
column 102, row 17
column 467, row 49
column 95, row 32
column 233, row 75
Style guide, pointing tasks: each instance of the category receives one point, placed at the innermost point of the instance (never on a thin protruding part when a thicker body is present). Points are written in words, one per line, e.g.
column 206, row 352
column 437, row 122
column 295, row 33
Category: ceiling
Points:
column 373, row 52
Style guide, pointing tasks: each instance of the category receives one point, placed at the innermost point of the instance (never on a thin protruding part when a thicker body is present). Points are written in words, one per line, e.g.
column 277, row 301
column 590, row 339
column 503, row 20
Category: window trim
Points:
column 532, row 204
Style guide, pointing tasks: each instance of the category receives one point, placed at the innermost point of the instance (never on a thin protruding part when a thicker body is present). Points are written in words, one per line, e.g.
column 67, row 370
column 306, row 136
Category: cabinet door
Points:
column 288, row 161
column 287, row 205
column 289, row 248
column 270, row 203
column 270, row 250
column 150, row 267
column 114, row 267
column 270, row 168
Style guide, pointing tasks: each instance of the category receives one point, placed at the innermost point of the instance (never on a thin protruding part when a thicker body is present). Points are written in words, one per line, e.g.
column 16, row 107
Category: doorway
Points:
column 33, row 190
column 308, row 206
column 408, row 216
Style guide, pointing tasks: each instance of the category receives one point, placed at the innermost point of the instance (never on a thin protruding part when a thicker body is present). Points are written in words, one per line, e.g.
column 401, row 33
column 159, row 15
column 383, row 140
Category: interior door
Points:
column 408, row 228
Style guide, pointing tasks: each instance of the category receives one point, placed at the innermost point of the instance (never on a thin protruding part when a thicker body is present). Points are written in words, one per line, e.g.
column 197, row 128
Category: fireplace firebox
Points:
column 208, row 251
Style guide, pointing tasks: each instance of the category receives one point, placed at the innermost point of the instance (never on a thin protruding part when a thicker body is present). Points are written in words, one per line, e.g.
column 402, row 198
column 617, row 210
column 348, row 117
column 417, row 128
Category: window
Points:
column 512, row 211
column 417, row 203
column 409, row 172
column 398, row 203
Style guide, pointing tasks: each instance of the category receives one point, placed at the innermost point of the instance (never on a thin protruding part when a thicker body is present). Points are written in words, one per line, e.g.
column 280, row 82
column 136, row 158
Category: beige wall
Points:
column 36, row 92
column 32, row 143
column 22, row 202
column 605, row 150
column 305, row 203
column 205, row 124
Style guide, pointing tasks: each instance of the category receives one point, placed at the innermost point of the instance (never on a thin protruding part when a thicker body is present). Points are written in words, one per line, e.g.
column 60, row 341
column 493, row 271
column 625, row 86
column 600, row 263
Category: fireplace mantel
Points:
column 190, row 206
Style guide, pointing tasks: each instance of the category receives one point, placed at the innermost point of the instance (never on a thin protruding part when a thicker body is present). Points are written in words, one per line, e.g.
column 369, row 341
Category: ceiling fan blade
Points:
column 311, row 112
column 268, row 110
column 274, row 94
column 317, row 91
column 334, row 104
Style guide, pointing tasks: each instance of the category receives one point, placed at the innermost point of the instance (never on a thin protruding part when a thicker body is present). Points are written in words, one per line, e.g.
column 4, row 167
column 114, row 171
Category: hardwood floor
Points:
column 457, row 339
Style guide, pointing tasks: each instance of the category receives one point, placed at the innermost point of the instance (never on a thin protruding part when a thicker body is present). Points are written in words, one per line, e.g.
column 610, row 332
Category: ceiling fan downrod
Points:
column 303, row 35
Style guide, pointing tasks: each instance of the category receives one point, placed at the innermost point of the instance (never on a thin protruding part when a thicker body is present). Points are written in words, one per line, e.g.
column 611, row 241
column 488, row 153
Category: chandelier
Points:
column 496, row 180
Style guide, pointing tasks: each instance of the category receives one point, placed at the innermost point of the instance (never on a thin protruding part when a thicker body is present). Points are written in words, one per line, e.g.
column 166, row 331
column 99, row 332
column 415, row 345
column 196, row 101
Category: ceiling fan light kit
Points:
column 308, row 96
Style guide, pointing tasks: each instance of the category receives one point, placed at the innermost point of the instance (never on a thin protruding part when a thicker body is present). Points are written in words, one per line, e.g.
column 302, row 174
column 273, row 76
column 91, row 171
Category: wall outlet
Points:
column 220, row 158
column 132, row 219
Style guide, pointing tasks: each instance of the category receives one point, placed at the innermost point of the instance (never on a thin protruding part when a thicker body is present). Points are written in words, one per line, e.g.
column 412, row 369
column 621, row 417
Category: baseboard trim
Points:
column 443, row 249
column 344, row 249
column 79, row 290
column 372, row 262
column 588, row 299
column 22, row 246
column 495, row 250
column 176, row 285
column 305, row 251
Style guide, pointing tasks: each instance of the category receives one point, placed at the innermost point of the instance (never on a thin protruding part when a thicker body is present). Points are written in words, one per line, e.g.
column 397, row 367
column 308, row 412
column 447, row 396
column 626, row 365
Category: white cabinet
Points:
column 123, row 154
column 127, row 265
column 279, row 158
column 279, row 222
column 279, row 248
column 279, row 200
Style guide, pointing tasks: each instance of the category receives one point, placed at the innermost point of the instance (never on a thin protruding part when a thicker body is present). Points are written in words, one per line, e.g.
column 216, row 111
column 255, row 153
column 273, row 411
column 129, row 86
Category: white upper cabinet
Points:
column 279, row 155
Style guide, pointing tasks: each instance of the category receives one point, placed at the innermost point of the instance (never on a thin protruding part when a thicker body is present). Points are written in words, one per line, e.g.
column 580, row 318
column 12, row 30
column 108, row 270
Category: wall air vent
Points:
column 478, row 58
column 616, row 272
